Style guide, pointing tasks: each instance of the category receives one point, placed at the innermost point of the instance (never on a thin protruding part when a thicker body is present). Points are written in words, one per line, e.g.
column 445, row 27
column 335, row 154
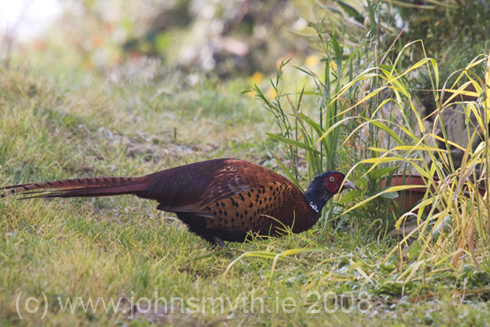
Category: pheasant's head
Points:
column 324, row 186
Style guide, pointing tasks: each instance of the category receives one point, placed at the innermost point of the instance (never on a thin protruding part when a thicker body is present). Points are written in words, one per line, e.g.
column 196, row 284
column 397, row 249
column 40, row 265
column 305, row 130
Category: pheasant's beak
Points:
column 348, row 184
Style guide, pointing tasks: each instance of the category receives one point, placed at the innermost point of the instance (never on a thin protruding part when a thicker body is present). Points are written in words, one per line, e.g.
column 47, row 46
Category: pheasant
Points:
column 219, row 200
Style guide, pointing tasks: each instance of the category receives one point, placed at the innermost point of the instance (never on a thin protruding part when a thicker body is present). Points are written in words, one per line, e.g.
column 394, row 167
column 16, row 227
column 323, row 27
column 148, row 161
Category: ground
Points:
column 63, row 124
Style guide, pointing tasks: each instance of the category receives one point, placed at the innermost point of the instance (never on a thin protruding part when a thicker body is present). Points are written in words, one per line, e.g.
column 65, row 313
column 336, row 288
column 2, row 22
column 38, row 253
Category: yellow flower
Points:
column 271, row 93
column 257, row 77
column 312, row 60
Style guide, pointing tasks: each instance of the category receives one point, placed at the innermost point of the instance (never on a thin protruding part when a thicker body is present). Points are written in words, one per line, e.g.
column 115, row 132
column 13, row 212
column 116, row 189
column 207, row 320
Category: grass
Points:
column 76, row 124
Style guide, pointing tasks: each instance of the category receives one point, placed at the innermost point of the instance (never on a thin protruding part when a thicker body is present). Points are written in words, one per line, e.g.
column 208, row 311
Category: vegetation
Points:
column 356, row 110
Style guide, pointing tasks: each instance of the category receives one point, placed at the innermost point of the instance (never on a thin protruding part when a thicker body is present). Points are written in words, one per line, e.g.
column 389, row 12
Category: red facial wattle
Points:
column 332, row 182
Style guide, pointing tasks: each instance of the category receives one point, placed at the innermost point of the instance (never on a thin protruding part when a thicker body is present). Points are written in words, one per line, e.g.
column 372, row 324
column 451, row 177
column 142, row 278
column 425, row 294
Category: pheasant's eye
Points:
column 332, row 179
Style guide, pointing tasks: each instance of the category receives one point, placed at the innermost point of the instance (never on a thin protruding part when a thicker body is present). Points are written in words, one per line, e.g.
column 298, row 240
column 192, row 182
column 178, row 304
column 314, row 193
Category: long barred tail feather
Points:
column 80, row 187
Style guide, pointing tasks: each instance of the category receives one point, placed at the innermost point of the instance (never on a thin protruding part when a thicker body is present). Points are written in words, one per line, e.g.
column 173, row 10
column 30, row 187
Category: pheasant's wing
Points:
column 196, row 188
column 226, row 199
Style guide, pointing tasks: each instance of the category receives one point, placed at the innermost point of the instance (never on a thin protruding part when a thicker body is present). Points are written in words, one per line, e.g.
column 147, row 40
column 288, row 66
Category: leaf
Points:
column 391, row 189
column 312, row 123
column 379, row 160
column 444, row 226
column 390, row 195
column 390, row 264
column 339, row 51
column 307, row 72
column 349, row 197
column 417, row 148
column 292, row 142
column 349, row 10
column 387, row 130
column 361, row 77
column 413, row 250
column 376, row 174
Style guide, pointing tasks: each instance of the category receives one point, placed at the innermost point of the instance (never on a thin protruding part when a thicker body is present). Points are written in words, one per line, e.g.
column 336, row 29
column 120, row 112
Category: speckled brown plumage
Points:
column 219, row 200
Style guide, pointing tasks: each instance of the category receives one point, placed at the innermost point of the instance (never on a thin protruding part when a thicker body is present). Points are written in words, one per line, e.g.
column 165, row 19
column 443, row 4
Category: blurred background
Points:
column 224, row 37
column 230, row 39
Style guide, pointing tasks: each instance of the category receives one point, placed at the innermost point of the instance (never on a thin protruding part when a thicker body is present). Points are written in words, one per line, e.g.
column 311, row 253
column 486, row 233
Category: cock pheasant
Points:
column 219, row 200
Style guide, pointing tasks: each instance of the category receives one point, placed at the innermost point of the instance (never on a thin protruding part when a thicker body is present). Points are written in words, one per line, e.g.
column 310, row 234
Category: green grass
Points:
column 55, row 125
